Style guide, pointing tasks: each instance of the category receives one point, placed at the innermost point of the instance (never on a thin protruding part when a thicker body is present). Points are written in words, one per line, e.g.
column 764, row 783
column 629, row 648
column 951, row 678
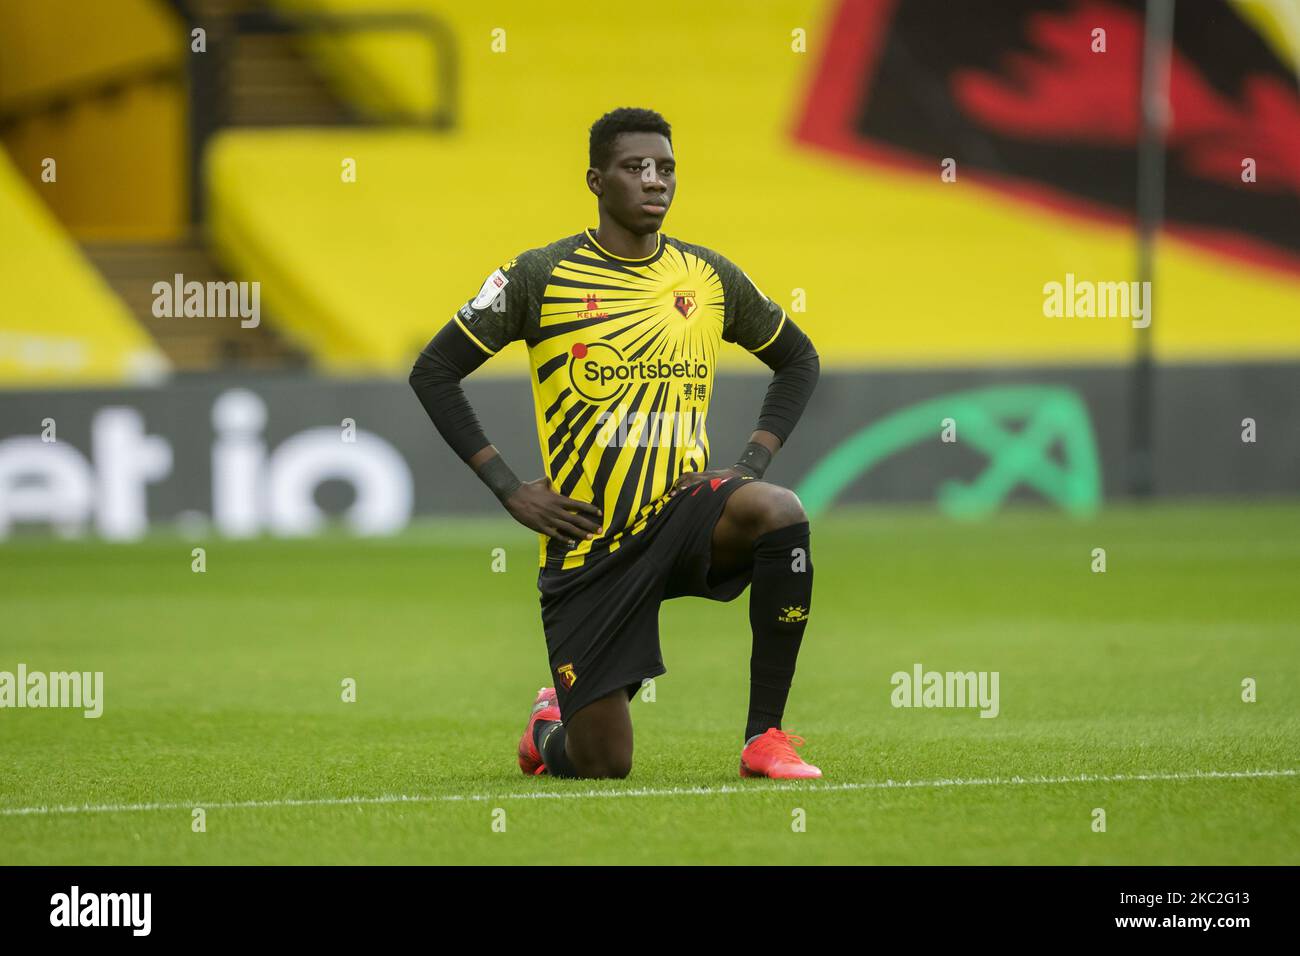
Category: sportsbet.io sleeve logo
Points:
column 600, row 374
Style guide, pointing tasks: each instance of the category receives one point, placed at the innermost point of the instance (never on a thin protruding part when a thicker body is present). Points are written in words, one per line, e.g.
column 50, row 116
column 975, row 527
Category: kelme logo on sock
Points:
column 793, row 614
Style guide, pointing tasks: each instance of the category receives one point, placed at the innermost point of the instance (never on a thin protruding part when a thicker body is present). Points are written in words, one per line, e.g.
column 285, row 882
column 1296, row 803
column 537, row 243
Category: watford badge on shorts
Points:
column 567, row 677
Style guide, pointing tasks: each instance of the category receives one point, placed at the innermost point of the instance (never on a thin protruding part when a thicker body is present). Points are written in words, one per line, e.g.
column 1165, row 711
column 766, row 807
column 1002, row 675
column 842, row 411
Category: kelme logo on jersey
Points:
column 593, row 309
column 599, row 372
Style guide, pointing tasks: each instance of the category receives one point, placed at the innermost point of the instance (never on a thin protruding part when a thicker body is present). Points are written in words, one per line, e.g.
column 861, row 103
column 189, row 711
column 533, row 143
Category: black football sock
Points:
column 538, row 729
column 780, row 598
column 550, row 744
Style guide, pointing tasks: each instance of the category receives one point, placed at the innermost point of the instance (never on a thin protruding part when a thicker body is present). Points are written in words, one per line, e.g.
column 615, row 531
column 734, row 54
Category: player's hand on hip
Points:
column 688, row 479
column 538, row 506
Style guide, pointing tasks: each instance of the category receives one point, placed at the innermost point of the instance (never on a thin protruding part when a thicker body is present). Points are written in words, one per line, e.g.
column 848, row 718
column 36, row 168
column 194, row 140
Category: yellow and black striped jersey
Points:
column 622, row 354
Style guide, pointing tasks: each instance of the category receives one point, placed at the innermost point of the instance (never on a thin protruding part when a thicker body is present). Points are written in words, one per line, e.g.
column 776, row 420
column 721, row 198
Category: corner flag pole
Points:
column 1157, row 43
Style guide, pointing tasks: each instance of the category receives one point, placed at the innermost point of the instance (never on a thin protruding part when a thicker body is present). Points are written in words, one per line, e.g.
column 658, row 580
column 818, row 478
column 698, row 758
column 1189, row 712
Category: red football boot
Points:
column 772, row 755
column 545, row 707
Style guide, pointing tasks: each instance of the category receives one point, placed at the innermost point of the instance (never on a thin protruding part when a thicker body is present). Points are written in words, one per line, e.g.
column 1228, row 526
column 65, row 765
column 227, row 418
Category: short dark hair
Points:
column 625, row 119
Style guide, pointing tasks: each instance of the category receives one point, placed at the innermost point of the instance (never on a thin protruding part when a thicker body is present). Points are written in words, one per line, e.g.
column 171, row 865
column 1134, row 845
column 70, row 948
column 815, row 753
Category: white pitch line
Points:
column 798, row 787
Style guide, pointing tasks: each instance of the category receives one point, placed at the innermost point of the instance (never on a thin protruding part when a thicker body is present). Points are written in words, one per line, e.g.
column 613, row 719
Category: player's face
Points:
column 637, row 187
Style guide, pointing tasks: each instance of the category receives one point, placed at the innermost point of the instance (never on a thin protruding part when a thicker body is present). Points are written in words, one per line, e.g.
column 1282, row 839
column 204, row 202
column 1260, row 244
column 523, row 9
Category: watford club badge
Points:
column 684, row 303
column 1056, row 121
column 567, row 677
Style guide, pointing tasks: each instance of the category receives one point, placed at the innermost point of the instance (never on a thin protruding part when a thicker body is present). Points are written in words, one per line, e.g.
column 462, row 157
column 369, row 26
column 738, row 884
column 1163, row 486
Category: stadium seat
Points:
column 62, row 324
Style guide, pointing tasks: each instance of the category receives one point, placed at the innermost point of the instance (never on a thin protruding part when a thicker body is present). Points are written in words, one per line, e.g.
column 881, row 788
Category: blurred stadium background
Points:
column 818, row 171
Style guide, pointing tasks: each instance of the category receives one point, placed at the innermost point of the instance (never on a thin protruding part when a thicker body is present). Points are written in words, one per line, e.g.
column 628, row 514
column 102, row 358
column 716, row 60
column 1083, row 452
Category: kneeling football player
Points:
column 623, row 325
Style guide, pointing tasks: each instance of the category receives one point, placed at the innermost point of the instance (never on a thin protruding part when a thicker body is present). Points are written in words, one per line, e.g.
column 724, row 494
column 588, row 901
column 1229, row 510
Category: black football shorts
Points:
column 602, row 621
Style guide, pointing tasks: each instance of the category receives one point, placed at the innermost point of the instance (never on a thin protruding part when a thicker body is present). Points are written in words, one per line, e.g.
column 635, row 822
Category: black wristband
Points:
column 496, row 474
column 754, row 460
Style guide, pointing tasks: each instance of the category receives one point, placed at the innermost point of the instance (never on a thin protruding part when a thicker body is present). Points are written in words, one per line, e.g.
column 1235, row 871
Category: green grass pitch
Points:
column 223, row 691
